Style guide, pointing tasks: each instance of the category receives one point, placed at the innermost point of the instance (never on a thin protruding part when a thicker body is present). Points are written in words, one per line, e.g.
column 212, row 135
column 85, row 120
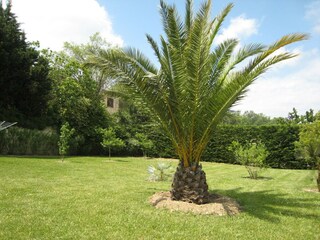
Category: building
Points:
column 112, row 104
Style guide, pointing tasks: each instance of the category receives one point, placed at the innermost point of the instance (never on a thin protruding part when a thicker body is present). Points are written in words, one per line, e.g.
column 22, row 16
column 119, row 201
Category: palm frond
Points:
column 155, row 47
column 188, row 16
column 217, row 22
column 234, row 90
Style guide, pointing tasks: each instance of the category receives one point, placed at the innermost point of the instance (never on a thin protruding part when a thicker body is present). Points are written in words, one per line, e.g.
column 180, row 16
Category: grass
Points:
column 97, row 198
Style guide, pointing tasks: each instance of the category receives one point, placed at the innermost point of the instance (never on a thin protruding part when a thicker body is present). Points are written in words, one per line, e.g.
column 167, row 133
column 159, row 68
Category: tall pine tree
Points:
column 24, row 82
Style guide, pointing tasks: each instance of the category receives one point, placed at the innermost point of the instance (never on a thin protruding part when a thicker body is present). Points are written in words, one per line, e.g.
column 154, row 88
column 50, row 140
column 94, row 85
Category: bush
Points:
column 20, row 141
column 308, row 146
column 252, row 155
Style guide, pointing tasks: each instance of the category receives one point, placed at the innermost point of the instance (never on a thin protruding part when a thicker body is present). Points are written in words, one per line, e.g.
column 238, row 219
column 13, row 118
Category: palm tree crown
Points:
column 198, row 80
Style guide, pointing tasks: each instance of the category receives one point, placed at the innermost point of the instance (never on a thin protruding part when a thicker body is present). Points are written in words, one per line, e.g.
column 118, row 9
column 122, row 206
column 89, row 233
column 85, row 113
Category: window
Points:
column 110, row 102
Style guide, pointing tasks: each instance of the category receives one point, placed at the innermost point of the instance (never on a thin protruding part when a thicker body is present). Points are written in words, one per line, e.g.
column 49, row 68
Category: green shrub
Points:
column 308, row 146
column 252, row 155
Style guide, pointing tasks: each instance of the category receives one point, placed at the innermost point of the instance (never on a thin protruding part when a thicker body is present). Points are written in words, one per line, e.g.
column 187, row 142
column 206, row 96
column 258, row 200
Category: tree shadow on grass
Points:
column 32, row 157
column 259, row 178
column 270, row 205
column 113, row 160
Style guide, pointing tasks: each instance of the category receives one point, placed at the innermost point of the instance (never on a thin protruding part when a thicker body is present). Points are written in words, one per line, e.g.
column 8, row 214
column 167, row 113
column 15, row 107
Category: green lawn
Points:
column 97, row 198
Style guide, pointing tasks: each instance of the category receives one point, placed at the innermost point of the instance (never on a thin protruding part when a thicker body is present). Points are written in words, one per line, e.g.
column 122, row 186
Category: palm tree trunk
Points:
column 189, row 185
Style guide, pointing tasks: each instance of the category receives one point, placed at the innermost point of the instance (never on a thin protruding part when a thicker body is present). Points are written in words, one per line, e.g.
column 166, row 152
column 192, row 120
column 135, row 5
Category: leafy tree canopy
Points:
column 74, row 99
column 110, row 139
column 24, row 82
column 247, row 118
column 80, row 53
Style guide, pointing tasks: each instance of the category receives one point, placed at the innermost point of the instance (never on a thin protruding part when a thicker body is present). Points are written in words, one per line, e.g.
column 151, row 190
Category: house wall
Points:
column 111, row 108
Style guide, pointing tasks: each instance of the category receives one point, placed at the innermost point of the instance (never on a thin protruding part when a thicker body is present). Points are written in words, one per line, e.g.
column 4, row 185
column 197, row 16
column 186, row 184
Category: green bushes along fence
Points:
column 20, row 141
column 278, row 139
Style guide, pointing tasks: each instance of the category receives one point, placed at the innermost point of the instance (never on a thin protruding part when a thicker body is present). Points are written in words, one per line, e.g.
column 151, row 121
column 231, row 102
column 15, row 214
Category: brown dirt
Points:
column 314, row 190
column 218, row 205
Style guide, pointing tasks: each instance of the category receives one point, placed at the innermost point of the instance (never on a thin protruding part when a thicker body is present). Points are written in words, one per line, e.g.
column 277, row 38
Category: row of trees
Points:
column 250, row 118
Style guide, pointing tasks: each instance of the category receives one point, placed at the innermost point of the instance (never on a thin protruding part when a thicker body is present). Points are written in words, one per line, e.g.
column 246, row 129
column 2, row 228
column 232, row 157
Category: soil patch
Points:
column 218, row 205
column 314, row 190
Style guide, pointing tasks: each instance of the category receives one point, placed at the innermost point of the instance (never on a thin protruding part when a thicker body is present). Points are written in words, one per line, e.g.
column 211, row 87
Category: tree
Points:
column 247, row 118
column 308, row 146
column 141, row 141
column 74, row 99
column 310, row 117
column 196, row 84
column 24, row 82
column 64, row 140
column 294, row 117
column 80, row 53
column 134, row 125
column 110, row 140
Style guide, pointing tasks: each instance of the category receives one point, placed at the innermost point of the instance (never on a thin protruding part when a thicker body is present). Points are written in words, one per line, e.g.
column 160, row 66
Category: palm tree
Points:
column 197, row 83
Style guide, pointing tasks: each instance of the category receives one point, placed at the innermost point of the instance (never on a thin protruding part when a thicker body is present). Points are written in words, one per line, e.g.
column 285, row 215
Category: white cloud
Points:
column 292, row 62
column 275, row 95
column 313, row 13
column 240, row 28
column 316, row 29
column 54, row 22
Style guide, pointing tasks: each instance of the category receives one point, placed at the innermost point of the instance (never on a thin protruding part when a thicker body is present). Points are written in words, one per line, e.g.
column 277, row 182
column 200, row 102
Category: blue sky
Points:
column 295, row 83
column 133, row 19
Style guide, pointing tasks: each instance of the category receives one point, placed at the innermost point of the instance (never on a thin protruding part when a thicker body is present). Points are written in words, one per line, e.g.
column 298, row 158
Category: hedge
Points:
column 279, row 140
column 20, row 141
